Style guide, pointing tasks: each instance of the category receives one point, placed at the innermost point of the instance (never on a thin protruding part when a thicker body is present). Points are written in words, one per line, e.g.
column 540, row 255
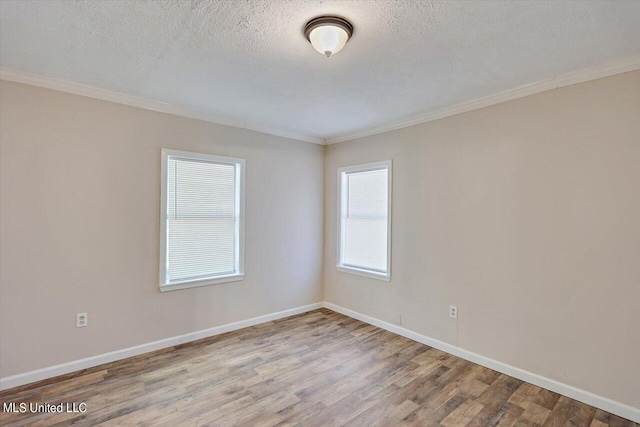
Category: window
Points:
column 201, row 221
column 364, row 241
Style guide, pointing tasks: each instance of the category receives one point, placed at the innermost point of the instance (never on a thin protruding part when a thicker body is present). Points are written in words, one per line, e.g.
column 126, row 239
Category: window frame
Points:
column 240, row 231
column 342, row 172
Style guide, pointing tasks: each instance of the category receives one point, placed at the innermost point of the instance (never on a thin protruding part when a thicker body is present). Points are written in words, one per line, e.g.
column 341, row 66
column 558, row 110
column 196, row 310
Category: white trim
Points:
column 240, row 167
column 89, row 362
column 583, row 396
column 561, row 80
column 385, row 164
column 18, row 76
column 586, row 74
column 201, row 282
column 364, row 273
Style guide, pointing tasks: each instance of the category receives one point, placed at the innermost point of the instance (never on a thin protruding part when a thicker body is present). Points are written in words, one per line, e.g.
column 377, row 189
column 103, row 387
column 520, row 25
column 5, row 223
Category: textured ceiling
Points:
column 248, row 60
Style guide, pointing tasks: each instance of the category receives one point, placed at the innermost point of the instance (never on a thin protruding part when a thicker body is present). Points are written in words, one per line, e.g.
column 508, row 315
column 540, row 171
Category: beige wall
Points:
column 527, row 216
column 79, row 224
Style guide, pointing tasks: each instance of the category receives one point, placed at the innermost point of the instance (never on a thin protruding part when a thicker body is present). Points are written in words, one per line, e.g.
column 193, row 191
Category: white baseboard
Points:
column 89, row 362
column 583, row 396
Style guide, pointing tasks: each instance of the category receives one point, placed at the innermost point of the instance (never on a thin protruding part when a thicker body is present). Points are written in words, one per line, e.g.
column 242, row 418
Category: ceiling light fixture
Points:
column 328, row 34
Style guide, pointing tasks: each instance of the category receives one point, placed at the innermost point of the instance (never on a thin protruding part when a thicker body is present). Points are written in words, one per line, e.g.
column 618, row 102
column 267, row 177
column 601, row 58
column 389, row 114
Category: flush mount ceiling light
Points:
column 328, row 34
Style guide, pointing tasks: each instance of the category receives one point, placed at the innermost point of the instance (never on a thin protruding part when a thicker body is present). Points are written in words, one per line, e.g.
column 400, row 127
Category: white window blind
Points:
column 364, row 218
column 202, row 221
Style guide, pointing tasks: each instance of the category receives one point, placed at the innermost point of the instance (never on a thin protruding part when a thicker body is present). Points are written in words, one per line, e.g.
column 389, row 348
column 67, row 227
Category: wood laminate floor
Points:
column 316, row 369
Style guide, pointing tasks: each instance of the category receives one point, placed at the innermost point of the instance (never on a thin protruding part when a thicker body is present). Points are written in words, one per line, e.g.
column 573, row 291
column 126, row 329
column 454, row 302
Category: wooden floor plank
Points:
column 569, row 412
column 314, row 369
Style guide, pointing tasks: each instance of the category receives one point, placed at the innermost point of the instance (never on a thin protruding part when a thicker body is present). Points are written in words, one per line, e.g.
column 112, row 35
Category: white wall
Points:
column 79, row 227
column 526, row 215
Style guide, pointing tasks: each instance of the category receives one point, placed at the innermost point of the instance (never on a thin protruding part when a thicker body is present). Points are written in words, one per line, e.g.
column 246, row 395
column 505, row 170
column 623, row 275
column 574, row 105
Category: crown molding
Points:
column 147, row 104
column 561, row 80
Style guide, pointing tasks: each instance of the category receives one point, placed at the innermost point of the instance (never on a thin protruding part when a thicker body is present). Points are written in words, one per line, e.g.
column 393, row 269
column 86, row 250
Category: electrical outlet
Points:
column 398, row 319
column 82, row 320
column 453, row 311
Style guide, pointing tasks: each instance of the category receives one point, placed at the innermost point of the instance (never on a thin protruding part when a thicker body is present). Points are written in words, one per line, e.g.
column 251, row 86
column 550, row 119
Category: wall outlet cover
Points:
column 453, row 311
column 82, row 320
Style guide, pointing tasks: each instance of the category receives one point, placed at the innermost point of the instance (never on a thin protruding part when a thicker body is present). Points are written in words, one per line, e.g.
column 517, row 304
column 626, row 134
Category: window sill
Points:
column 200, row 282
column 365, row 273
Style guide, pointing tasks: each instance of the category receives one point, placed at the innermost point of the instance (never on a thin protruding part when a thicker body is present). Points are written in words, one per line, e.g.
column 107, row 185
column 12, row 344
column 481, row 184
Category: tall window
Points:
column 202, row 220
column 364, row 244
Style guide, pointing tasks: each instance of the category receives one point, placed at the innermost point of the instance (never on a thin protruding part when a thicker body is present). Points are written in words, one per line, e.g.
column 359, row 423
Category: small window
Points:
column 364, row 241
column 202, row 220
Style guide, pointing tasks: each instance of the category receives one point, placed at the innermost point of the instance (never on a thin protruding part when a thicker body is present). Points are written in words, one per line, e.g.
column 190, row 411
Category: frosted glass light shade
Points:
column 328, row 34
column 328, row 39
